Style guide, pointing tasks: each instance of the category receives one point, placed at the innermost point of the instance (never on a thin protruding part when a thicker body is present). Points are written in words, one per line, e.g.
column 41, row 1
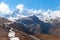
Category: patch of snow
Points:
column 11, row 35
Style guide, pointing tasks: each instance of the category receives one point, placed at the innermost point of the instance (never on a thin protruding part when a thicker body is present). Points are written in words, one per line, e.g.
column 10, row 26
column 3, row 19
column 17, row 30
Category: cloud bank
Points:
column 38, row 12
column 22, row 11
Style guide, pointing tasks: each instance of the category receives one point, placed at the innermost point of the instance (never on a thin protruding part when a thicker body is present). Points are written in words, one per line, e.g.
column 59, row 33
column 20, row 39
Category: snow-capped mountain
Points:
column 32, row 24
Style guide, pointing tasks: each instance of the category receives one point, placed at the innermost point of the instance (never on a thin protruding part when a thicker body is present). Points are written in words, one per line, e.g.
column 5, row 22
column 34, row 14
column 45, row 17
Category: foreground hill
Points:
column 47, row 37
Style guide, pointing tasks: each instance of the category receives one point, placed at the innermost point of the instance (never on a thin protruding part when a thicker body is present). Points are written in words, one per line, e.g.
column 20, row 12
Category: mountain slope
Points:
column 31, row 25
column 4, row 32
column 47, row 37
column 55, row 30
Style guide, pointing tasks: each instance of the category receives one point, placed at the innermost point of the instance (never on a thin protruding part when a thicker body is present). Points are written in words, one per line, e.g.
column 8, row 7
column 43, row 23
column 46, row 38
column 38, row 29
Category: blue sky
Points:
column 35, row 4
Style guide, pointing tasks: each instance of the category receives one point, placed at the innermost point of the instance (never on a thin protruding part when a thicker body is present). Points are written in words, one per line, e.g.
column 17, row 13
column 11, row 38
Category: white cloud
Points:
column 4, row 8
column 20, row 7
column 12, row 18
column 24, row 12
column 57, row 13
column 45, row 14
column 34, row 11
column 51, row 14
